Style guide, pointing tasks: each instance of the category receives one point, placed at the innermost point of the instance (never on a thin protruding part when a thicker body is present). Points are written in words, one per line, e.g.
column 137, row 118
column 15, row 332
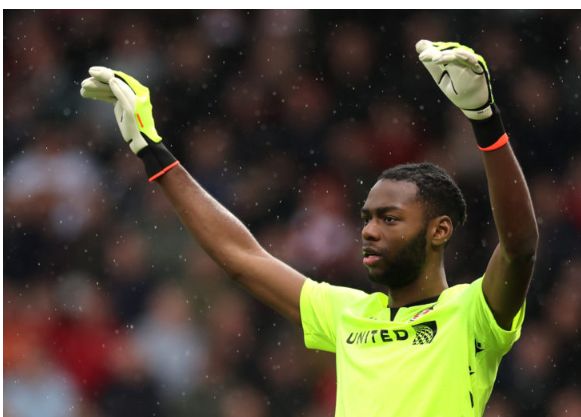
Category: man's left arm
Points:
column 463, row 77
column 510, row 268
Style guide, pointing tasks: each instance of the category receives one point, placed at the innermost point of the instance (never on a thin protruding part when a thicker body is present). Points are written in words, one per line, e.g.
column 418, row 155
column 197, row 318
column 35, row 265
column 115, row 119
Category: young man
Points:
column 419, row 349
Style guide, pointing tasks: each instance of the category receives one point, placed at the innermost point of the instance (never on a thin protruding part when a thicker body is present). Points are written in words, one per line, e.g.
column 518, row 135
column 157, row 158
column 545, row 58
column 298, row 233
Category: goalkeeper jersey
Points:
column 438, row 359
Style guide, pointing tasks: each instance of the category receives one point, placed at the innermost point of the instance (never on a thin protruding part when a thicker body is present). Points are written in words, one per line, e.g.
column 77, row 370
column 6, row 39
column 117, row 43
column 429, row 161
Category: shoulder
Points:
column 461, row 296
column 314, row 289
column 329, row 300
column 461, row 291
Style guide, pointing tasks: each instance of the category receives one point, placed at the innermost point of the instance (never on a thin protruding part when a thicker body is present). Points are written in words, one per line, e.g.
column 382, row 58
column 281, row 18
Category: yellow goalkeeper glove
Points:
column 134, row 115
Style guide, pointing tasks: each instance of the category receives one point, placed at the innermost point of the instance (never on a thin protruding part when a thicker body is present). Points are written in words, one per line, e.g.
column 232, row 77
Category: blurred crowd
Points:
column 286, row 117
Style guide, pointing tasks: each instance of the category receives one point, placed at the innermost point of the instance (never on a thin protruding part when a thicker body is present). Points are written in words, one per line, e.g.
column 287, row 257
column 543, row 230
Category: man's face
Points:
column 394, row 233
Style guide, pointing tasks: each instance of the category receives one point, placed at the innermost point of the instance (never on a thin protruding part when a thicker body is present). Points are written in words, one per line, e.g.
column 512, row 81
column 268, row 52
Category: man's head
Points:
column 410, row 214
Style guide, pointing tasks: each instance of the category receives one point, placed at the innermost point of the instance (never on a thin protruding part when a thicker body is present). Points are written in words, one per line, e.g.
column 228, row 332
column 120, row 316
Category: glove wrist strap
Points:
column 490, row 133
column 480, row 114
column 157, row 159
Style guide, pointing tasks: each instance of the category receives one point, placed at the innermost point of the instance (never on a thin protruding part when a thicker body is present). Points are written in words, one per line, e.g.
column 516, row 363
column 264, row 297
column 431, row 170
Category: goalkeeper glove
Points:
column 133, row 112
column 463, row 77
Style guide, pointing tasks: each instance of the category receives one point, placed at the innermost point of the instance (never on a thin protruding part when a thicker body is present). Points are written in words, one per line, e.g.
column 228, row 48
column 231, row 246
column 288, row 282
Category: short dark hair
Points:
column 440, row 194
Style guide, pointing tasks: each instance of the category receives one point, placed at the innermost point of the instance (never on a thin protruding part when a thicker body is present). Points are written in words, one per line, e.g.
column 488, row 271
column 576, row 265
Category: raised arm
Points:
column 510, row 268
column 463, row 77
column 217, row 230
column 232, row 246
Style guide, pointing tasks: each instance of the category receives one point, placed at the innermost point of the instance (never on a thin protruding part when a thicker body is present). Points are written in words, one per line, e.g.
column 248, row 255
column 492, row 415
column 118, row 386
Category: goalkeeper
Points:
column 419, row 348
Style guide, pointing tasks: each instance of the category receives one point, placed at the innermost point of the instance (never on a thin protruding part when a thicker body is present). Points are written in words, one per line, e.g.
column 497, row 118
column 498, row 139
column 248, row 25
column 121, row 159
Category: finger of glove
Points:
column 464, row 55
column 98, row 94
column 120, row 116
column 102, row 96
column 462, row 58
column 471, row 59
column 435, row 70
column 123, row 93
column 430, row 54
column 452, row 46
column 93, row 84
column 427, row 55
column 467, row 56
column 102, row 74
column 94, row 89
column 422, row 45
column 129, row 129
column 447, row 57
column 126, row 123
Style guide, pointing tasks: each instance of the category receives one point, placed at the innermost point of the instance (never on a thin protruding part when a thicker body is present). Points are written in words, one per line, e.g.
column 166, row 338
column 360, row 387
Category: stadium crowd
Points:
column 287, row 117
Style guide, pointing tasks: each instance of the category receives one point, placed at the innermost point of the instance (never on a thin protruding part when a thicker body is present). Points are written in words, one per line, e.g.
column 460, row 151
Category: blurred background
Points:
column 287, row 117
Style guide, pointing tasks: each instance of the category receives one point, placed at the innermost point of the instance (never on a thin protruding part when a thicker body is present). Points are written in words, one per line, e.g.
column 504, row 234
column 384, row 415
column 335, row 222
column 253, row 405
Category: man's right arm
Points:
column 232, row 246
column 219, row 232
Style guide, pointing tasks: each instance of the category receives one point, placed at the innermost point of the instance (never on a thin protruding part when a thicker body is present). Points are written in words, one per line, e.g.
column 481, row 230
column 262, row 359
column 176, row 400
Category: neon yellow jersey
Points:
column 432, row 360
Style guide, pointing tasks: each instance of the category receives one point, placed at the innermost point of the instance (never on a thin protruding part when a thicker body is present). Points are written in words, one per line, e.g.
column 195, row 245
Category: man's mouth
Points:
column 370, row 260
column 371, row 256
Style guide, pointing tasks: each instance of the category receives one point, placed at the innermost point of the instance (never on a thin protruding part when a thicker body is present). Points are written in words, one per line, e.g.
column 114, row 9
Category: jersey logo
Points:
column 421, row 314
column 425, row 333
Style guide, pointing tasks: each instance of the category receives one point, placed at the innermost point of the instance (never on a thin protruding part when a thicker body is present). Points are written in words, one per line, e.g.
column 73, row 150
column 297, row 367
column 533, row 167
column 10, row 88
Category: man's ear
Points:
column 440, row 230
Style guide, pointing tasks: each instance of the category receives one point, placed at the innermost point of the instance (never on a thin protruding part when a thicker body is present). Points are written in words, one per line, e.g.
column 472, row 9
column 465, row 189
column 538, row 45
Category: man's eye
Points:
column 364, row 221
column 389, row 219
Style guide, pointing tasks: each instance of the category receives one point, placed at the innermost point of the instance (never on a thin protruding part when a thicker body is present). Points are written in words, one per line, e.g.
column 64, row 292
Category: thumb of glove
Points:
column 102, row 74
column 128, row 128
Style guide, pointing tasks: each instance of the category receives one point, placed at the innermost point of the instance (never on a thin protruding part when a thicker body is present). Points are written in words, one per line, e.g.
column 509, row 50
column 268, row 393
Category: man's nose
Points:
column 370, row 231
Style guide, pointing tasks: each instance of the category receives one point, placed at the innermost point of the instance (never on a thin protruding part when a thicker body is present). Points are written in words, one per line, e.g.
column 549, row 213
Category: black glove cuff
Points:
column 157, row 160
column 488, row 131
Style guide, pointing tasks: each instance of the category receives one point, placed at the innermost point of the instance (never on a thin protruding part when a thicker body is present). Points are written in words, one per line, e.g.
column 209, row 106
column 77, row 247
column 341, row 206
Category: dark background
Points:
column 287, row 117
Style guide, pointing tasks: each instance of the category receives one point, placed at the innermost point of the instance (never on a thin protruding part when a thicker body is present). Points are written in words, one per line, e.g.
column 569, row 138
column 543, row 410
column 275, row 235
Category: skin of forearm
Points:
column 218, row 231
column 511, row 203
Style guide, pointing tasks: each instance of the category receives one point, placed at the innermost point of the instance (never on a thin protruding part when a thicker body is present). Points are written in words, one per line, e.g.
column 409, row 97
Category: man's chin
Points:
column 378, row 277
column 382, row 277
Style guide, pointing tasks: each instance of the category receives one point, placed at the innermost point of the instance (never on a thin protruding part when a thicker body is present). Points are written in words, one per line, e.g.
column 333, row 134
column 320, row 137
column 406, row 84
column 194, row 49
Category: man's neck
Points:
column 430, row 283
